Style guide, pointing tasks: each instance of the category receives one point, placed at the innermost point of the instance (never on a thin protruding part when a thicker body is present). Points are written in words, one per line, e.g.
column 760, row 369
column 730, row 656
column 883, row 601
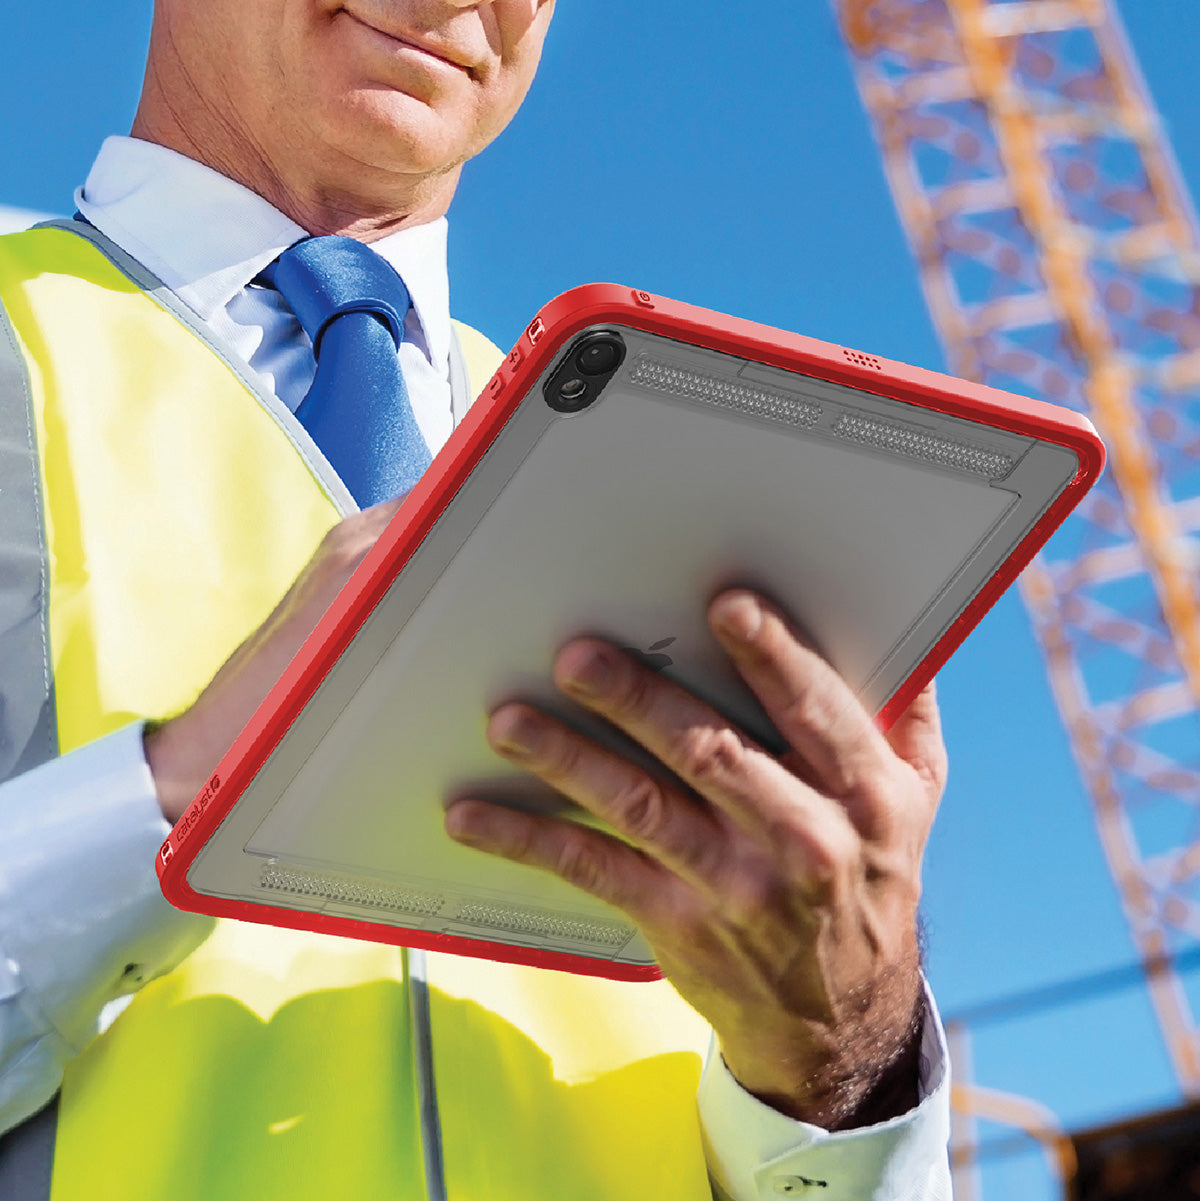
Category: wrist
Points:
column 169, row 756
column 870, row 1090
column 844, row 1078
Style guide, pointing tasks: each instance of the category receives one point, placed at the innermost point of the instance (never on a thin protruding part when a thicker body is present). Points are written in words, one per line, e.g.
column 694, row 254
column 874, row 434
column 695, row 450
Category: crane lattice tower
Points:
column 1059, row 257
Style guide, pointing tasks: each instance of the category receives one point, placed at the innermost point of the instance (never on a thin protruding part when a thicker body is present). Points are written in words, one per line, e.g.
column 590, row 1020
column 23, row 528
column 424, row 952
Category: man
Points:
column 153, row 370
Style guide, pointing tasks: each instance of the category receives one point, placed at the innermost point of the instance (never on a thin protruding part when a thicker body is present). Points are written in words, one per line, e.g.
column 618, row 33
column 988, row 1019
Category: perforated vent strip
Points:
column 901, row 440
column 532, row 921
column 746, row 398
column 863, row 360
column 371, row 894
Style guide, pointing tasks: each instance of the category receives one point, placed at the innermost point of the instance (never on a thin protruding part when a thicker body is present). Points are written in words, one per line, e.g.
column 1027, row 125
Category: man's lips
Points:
column 452, row 58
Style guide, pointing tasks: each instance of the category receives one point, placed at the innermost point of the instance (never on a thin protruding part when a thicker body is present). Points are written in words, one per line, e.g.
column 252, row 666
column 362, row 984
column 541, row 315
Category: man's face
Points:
column 408, row 86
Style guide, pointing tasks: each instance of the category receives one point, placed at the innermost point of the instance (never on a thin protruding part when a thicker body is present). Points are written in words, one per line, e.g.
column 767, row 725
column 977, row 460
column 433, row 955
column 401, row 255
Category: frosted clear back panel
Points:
column 453, row 644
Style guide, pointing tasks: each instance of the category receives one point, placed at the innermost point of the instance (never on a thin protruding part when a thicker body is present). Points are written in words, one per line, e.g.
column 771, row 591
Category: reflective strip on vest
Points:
column 274, row 1063
column 27, row 733
column 28, row 736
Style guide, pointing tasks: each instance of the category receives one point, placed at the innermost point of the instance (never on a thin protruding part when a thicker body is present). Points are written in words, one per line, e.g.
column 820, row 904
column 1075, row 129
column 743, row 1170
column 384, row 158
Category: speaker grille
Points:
column 534, row 921
column 727, row 394
column 915, row 444
column 349, row 890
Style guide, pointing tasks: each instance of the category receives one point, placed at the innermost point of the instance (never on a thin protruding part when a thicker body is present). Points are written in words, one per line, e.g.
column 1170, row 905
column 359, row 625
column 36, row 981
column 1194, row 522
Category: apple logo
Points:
column 654, row 661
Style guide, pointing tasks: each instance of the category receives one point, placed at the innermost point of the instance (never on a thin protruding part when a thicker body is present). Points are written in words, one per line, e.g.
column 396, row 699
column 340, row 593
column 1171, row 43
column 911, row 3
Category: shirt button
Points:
column 793, row 1184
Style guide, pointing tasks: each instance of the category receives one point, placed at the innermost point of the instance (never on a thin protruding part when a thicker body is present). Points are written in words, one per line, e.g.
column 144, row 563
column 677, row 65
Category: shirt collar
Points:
column 206, row 236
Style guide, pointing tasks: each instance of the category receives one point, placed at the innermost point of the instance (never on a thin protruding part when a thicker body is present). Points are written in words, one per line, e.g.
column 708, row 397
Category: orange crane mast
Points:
column 1059, row 256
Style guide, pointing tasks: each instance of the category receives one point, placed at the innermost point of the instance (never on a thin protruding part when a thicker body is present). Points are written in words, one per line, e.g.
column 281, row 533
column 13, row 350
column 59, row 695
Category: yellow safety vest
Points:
column 273, row 1064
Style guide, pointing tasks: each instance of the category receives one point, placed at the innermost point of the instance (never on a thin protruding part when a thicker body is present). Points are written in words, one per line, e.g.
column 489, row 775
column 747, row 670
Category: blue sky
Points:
column 724, row 159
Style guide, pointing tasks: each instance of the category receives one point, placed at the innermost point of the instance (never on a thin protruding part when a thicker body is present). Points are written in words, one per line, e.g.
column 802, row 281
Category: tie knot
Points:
column 323, row 278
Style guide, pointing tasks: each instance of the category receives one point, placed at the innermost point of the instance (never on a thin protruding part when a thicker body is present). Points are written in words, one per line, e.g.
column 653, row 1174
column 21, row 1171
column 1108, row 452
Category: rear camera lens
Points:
column 598, row 357
column 572, row 389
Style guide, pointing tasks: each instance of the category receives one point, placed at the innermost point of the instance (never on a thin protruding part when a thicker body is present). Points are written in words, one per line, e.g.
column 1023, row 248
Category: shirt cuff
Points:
column 755, row 1153
column 83, row 919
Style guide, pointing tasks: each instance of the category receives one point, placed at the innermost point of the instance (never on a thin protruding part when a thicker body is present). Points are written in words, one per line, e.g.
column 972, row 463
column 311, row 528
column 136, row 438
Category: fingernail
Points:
column 462, row 826
column 739, row 615
column 510, row 734
column 591, row 675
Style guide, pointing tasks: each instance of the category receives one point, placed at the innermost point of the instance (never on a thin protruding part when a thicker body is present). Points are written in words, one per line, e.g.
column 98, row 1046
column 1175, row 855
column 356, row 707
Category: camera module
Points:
column 585, row 370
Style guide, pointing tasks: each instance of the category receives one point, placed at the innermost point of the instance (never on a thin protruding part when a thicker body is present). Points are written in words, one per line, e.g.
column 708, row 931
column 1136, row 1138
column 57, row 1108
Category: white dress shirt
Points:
column 80, row 905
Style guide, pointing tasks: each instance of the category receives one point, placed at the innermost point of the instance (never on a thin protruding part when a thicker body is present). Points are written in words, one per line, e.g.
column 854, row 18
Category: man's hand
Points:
column 779, row 894
column 182, row 752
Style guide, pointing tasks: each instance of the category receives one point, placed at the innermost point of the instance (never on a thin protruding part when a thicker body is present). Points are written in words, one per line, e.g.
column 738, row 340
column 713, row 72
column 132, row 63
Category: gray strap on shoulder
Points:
column 28, row 730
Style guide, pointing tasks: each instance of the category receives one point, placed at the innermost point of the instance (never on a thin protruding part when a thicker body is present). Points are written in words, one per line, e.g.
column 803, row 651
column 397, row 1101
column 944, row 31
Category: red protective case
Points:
column 545, row 336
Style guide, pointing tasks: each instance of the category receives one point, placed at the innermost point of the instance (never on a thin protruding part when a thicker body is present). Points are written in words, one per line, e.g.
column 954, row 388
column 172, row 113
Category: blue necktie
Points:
column 352, row 305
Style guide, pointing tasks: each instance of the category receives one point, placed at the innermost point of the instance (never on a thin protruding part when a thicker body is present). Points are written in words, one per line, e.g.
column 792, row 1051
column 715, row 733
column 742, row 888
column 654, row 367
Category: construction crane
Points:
column 1059, row 255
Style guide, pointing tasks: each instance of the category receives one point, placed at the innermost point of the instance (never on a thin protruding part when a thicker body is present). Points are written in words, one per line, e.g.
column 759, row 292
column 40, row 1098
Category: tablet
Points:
column 632, row 456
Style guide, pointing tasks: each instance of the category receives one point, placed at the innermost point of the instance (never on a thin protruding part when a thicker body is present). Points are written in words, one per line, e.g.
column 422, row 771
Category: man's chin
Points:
column 392, row 132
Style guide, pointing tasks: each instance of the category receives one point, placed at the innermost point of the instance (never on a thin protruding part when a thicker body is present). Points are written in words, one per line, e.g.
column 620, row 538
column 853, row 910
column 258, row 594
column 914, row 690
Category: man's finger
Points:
column 655, row 816
column 916, row 737
column 699, row 745
column 810, row 704
column 596, row 862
